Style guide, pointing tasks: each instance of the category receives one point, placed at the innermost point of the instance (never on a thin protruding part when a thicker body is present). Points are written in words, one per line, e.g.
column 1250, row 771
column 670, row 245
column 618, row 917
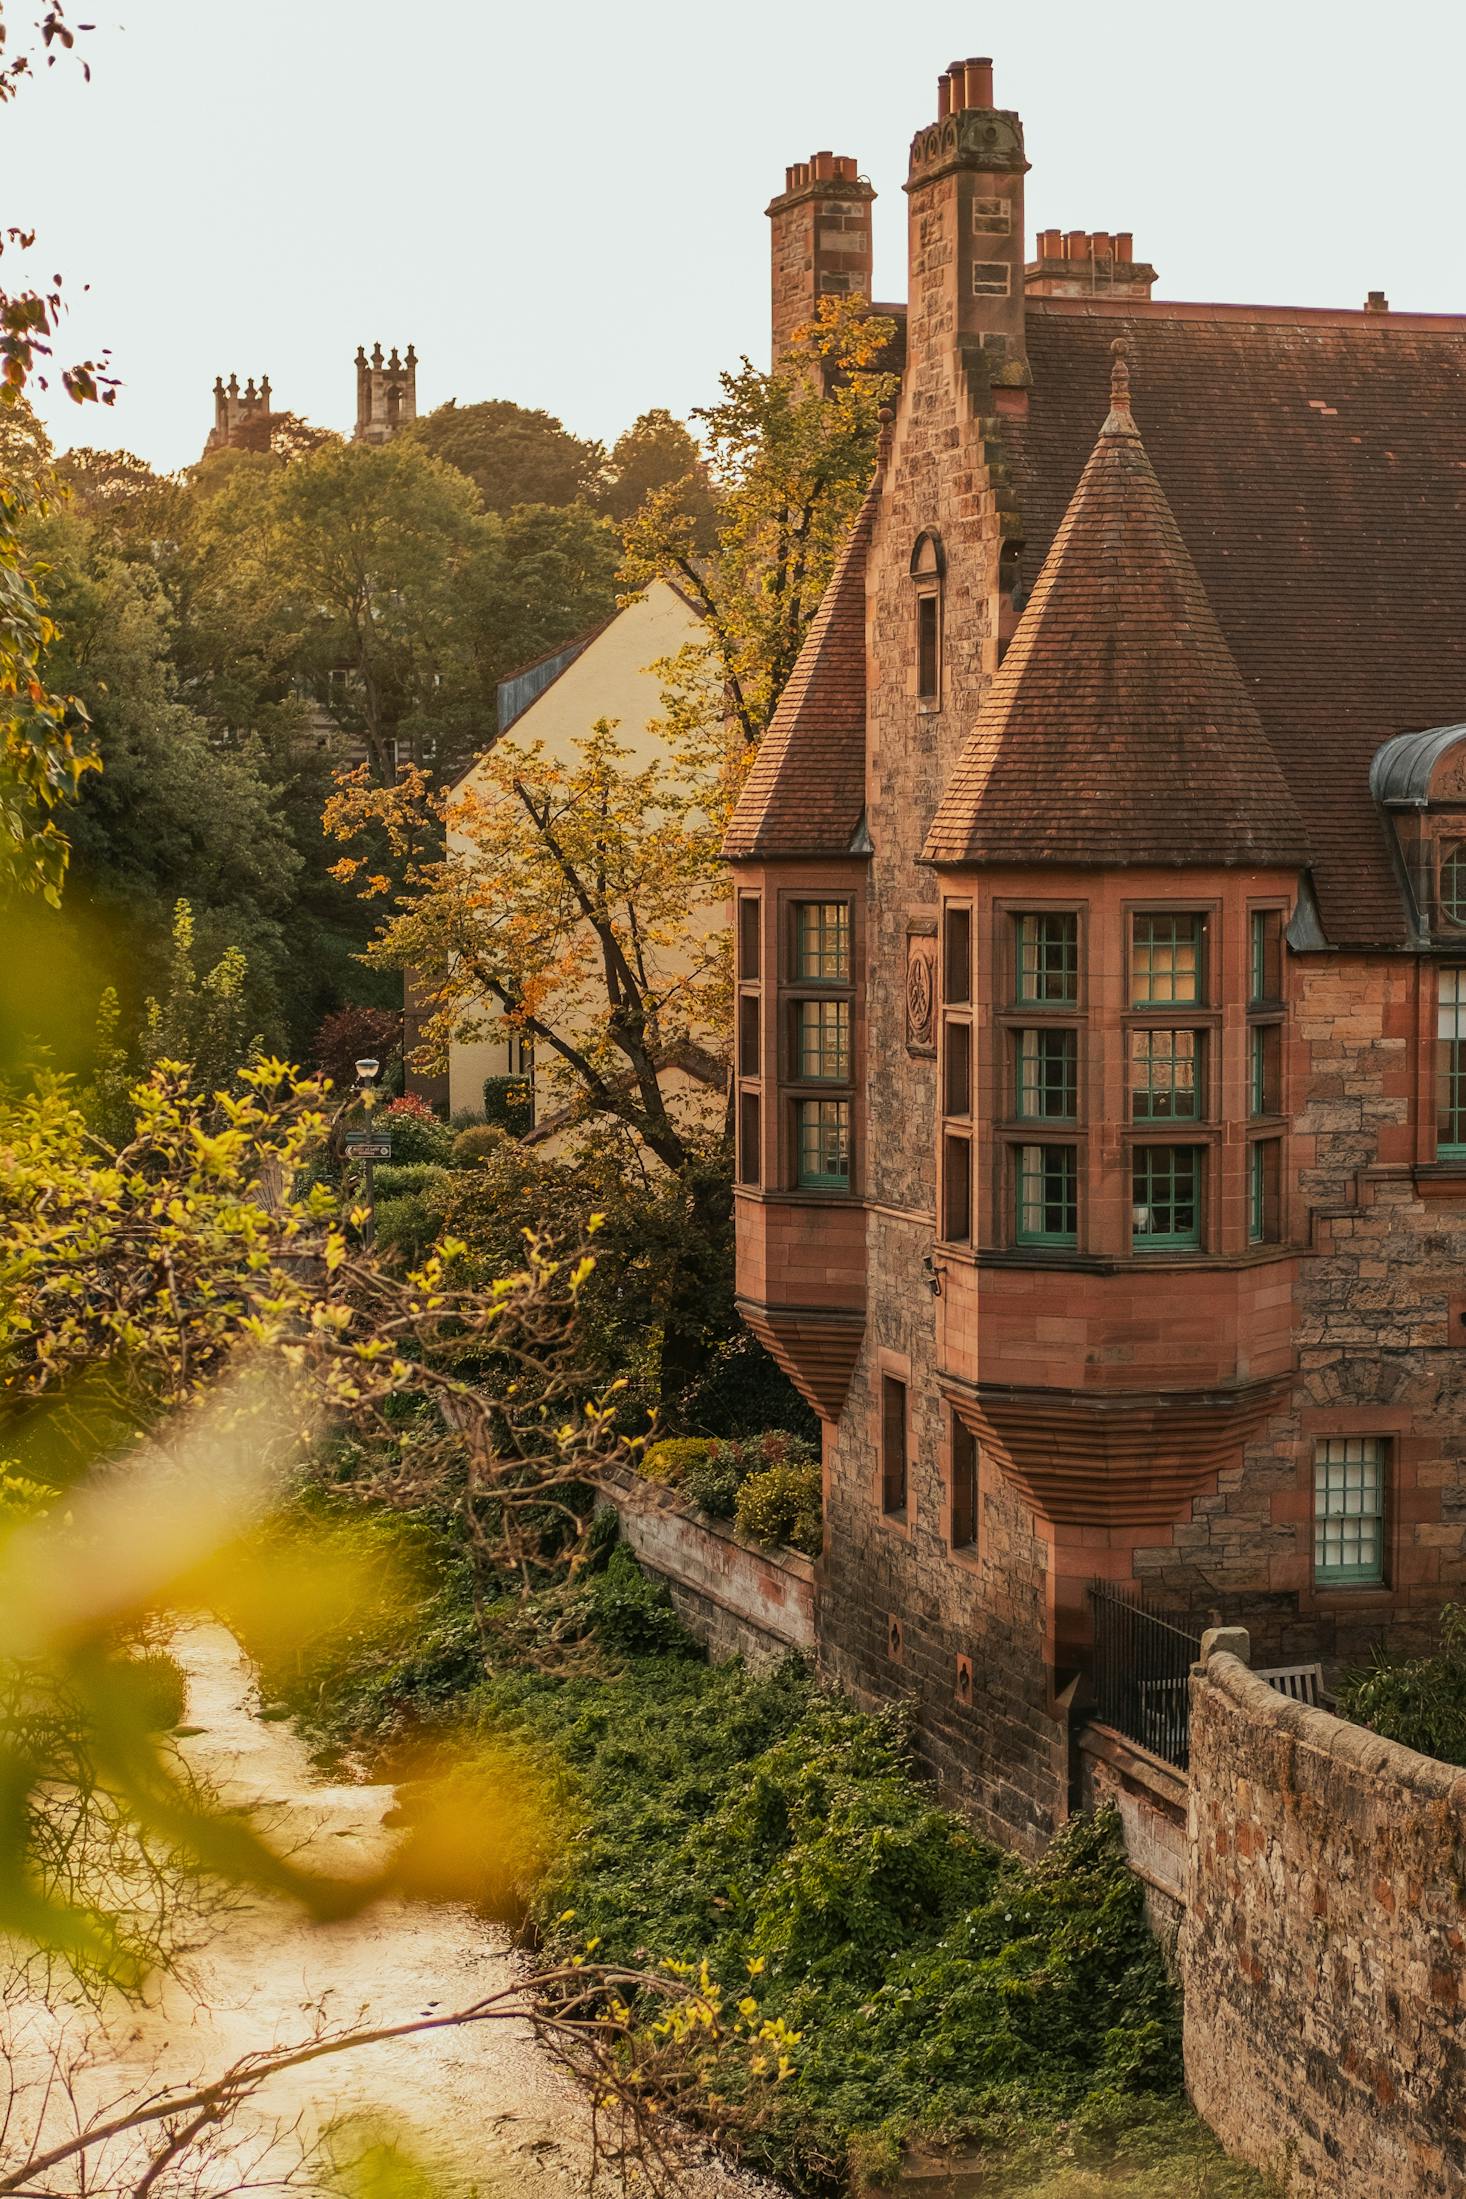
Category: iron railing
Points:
column 1142, row 1665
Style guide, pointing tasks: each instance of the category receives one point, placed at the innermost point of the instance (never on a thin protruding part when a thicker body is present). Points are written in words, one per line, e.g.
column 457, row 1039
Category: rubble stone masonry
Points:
column 1324, row 1947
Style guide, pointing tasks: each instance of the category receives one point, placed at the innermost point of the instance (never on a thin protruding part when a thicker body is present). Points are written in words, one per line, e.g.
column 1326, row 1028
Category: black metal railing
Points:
column 1142, row 1664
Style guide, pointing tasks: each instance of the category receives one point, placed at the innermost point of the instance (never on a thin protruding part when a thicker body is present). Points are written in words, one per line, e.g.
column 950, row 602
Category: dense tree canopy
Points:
column 512, row 454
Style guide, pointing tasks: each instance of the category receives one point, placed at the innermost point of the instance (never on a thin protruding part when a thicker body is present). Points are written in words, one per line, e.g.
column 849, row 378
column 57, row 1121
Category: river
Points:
column 486, row 2106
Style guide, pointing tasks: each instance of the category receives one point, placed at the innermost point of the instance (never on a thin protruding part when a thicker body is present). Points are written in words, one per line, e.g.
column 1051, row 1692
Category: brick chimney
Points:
column 820, row 238
column 1086, row 263
column 965, row 193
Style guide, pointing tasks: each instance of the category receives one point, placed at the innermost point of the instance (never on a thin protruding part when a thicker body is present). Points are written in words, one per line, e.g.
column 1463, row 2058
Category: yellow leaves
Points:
column 335, row 1253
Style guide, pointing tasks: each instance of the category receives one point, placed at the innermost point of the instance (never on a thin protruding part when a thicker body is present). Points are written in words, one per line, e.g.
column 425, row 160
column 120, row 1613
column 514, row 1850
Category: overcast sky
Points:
column 563, row 202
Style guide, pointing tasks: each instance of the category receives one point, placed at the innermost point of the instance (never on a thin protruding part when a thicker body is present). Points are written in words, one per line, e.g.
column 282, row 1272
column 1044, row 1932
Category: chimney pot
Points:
column 1124, row 245
column 824, row 165
column 1050, row 245
column 979, row 78
column 1376, row 302
column 1076, row 245
column 944, row 97
column 1103, row 244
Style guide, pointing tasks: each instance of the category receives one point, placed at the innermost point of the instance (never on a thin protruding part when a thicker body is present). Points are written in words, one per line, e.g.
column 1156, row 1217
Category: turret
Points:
column 386, row 393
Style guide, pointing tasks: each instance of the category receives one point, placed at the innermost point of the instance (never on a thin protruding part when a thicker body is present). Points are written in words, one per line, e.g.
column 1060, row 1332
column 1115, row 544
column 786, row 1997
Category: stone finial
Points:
column 1230, row 1641
column 1120, row 420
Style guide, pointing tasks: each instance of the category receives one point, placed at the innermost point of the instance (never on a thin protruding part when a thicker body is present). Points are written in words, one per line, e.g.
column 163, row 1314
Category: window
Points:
column 748, row 1136
column 1047, row 1082
column 1453, row 883
column 1451, row 1066
column 990, row 279
column 893, row 1445
column 956, row 1190
column 1264, row 1186
column 822, row 1035
column 1266, row 976
column 1165, row 1075
column 964, row 1486
column 928, row 649
column 748, row 1045
column 748, row 936
column 1349, row 1510
column 822, row 942
column 1047, row 1201
column 1047, row 961
column 957, row 955
column 1165, row 1198
column 519, row 1052
column 1165, row 960
column 822, row 1138
column 957, row 1068
column 1263, row 1044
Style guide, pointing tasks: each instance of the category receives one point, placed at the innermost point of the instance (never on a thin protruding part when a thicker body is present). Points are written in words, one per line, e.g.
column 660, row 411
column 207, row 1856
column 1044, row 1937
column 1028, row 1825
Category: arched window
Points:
column 928, row 570
column 1453, row 882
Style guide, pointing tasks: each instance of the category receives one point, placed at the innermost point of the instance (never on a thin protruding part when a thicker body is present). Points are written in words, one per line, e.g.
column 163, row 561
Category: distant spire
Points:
column 1120, row 420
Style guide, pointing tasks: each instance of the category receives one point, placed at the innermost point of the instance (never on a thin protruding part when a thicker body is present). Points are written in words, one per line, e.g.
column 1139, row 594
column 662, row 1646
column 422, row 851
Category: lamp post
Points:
column 366, row 1077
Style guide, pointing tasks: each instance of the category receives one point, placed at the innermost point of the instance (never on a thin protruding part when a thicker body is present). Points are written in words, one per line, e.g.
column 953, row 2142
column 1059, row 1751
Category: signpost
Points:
column 364, row 1144
column 367, row 1145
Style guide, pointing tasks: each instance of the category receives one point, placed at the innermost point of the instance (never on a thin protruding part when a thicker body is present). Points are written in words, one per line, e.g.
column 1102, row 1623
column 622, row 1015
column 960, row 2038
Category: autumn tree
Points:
column 658, row 454
column 791, row 453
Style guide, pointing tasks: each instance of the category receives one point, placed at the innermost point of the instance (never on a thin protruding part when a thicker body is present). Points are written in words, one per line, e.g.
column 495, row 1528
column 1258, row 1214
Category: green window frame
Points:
column 1046, row 1195
column 1451, row 1064
column 1265, row 979
column 1165, row 1074
column 822, row 942
column 822, row 1144
column 1264, row 1190
column 1046, row 959
column 1046, row 1082
column 1264, row 1045
column 1349, row 1477
column 1453, row 883
column 1165, row 959
column 1166, row 1185
column 822, row 1041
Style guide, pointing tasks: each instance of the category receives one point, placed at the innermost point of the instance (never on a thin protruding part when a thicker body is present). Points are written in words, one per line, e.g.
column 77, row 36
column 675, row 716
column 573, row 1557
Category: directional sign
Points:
column 362, row 1146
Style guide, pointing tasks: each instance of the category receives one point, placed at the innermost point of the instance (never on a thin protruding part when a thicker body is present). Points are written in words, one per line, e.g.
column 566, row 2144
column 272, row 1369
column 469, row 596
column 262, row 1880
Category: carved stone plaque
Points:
column 921, row 982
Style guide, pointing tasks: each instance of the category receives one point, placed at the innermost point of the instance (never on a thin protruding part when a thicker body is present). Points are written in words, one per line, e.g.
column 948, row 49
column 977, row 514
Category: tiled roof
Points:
column 1117, row 729
column 806, row 791
column 1316, row 466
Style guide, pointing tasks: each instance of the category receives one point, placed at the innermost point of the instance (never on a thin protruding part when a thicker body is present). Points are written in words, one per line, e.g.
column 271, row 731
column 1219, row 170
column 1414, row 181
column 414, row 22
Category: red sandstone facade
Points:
column 1102, row 1160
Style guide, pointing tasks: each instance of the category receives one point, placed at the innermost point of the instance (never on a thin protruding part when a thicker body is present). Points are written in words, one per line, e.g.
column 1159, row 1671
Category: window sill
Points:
column 1441, row 1179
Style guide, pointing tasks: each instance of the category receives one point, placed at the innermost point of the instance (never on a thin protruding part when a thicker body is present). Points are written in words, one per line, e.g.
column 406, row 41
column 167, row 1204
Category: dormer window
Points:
column 1453, row 883
column 928, row 569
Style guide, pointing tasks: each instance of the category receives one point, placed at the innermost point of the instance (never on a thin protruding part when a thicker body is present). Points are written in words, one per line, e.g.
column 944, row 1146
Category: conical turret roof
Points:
column 1117, row 729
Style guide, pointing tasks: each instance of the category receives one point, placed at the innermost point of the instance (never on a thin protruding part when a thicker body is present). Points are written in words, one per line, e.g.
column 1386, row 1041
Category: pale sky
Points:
column 563, row 202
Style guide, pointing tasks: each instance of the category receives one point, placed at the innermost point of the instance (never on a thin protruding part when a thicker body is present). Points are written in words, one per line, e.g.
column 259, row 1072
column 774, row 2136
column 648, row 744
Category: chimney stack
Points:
column 1087, row 264
column 965, row 191
column 820, row 241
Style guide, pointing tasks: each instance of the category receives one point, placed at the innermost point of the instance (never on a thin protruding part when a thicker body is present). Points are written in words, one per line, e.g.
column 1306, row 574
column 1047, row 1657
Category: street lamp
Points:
column 366, row 1075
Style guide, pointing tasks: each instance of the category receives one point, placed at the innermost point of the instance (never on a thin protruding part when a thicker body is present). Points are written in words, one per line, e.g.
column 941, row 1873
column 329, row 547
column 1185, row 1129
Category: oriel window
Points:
column 1165, row 959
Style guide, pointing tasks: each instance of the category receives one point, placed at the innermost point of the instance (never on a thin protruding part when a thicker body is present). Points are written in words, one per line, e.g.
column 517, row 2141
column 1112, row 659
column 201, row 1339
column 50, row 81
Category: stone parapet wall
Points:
column 740, row 1599
column 1324, row 1949
column 1151, row 1798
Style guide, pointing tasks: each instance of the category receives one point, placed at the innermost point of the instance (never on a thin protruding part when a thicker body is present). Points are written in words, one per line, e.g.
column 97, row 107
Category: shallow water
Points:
column 489, row 2109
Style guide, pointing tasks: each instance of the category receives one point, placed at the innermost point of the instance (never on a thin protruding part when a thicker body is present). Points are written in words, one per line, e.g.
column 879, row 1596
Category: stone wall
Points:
column 1324, row 1952
column 739, row 1598
column 1151, row 1797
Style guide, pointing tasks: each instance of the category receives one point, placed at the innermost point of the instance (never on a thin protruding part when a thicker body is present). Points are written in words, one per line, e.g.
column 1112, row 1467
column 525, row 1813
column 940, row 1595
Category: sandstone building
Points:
column 386, row 399
column 1101, row 933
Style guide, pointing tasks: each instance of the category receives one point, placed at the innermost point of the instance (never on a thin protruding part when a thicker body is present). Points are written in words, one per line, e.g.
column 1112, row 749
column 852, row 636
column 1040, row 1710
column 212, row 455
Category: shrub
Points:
column 715, row 1481
column 1418, row 1701
column 417, row 1134
column 633, row 1614
column 669, row 1460
column 411, row 1179
column 352, row 1034
column 509, row 1103
column 784, row 1504
column 477, row 1141
column 156, row 1681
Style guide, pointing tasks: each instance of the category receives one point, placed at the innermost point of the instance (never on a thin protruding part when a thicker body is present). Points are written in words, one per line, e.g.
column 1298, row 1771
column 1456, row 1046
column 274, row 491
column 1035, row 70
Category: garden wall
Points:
column 736, row 1596
column 1151, row 1798
column 1324, row 1944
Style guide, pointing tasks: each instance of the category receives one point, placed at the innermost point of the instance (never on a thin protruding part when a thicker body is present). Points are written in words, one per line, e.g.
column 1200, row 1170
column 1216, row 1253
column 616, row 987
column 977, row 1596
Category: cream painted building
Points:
column 556, row 701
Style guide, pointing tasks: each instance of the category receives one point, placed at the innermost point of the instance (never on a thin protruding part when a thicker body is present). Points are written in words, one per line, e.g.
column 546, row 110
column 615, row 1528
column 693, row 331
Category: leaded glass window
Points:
column 1451, row 1065
column 1453, row 883
column 822, row 942
column 1166, row 1197
column 1165, row 959
column 823, row 1144
column 1047, row 1195
column 1048, row 1075
column 1349, row 1509
column 824, row 1041
column 1165, row 1079
column 1048, row 960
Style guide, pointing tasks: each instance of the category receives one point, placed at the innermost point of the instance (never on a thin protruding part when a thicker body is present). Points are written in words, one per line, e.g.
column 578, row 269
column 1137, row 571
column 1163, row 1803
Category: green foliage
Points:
column 632, row 1615
column 784, row 1504
column 509, row 1104
column 669, row 1460
column 475, row 1142
column 512, row 454
column 413, row 1179
column 417, row 1134
column 714, row 1482
column 161, row 1688
column 1417, row 1701
column 657, row 453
